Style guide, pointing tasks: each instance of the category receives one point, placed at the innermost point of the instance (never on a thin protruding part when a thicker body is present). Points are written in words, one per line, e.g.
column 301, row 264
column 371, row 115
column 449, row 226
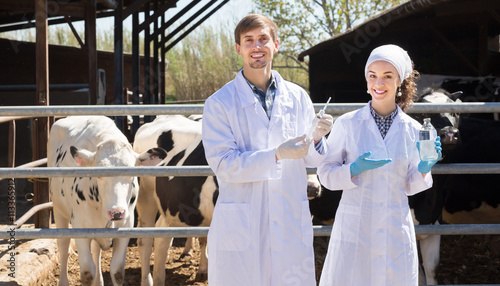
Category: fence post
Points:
column 11, row 185
column 41, row 125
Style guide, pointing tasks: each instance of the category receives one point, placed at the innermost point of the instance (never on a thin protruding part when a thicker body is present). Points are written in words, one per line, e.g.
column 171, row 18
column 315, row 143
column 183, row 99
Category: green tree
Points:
column 201, row 64
column 305, row 23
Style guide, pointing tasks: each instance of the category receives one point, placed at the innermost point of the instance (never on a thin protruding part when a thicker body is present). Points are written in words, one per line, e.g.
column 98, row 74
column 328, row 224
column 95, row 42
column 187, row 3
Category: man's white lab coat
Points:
column 261, row 231
column 373, row 238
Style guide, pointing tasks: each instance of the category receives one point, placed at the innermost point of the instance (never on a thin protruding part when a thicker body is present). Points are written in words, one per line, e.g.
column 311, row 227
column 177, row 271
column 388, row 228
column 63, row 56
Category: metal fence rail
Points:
column 154, row 109
column 187, row 109
column 142, row 232
column 190, row 171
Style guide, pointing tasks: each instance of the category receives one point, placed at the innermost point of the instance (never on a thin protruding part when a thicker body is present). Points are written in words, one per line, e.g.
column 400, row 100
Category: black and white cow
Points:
column 473, row 198
column 425, row 205
column 90, row 202
column 182, row 201
column 464, row 198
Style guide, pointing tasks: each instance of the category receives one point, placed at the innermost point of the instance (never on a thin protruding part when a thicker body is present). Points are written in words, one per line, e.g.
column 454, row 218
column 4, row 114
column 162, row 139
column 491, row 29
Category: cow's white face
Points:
column 440, row 98
column 117, row 194
column 446, row 124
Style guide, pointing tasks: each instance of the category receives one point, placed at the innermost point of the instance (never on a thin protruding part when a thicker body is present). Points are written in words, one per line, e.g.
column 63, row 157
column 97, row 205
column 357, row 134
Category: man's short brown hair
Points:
column 253, row 21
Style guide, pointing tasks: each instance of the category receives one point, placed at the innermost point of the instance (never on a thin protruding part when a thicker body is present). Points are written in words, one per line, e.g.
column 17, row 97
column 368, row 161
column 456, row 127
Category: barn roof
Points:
column 445, row 38
column 415, row 8
column 20, row 11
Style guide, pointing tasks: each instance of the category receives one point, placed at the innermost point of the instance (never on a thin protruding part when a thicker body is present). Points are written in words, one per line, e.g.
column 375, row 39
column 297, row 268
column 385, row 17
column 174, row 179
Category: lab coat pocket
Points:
column 307, row 231
column 348, row 217
column 234, row 227
column 286, row 126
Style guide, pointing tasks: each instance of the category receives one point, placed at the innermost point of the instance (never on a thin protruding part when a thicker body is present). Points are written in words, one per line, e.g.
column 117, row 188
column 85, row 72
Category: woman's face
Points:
column 382, row 81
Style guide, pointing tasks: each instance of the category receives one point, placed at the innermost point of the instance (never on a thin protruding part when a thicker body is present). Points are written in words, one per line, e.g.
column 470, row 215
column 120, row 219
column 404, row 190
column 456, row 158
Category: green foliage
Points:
column 201, row 64
column 206, row 60
column 305, row 23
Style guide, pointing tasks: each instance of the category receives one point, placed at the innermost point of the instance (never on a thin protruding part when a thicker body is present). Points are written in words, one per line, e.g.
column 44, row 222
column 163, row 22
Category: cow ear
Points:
column 152, row 157
column 81, row 156
column 456, row 95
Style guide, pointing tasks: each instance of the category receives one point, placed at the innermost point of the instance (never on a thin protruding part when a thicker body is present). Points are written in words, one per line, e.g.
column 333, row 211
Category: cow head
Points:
column 116, row 194
column 446, row 124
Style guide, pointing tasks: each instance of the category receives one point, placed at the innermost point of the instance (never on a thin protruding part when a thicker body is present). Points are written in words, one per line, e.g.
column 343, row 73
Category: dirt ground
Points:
column 464, row 260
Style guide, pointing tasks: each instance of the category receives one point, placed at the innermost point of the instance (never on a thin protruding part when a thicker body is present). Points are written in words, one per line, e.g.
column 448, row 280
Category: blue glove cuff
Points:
column 354, row 169
column 425, row 167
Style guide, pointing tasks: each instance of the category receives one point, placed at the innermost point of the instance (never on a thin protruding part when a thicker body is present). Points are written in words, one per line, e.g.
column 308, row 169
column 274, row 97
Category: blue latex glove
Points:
column 425, row 167
column 363, row 164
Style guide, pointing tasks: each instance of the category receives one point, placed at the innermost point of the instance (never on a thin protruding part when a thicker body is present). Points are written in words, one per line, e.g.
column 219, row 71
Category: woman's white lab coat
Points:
column 373, row 238
column 261, row 231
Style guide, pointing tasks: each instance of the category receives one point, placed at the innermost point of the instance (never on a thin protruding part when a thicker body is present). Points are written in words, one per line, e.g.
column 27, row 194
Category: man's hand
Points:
column 323, row 128
column 291, row 150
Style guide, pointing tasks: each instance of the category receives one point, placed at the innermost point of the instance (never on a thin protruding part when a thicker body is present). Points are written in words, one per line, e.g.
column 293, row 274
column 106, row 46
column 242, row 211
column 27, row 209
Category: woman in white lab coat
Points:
column 261, row 231
column 373, row 158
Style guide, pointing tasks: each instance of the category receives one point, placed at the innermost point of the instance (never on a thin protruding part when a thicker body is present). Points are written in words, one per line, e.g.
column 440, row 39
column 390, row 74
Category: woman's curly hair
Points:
column 408, row 90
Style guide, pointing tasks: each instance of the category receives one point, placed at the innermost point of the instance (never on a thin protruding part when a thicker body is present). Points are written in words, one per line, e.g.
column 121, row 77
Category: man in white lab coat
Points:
column 253, row 134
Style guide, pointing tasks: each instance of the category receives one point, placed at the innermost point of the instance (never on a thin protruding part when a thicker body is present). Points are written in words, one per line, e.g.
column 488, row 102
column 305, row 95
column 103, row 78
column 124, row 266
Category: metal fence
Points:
column 123, row 110
column 142, row 232
column 187, row 109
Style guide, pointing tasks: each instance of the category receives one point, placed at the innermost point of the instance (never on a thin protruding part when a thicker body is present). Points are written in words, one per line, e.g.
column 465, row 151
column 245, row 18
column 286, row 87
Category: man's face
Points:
column 257, row 48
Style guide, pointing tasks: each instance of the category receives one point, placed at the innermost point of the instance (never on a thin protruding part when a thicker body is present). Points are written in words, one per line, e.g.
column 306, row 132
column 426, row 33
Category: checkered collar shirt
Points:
column 266, row 99
column 383, row 122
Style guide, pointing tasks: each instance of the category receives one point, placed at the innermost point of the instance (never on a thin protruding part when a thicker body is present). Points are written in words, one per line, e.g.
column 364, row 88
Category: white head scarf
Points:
column 393, row 54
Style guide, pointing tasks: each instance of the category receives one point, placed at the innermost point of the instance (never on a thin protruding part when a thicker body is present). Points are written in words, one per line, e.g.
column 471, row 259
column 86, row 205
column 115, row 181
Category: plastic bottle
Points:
column 427, row 136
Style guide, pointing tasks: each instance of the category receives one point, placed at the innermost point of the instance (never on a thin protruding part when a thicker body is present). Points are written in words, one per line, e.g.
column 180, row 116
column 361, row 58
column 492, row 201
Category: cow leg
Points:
column 63, row 246
column 96, row 257
column 146, row 210
column 186, row 255
column 161, row 246
column 429, row 248
column 87, row 267
column 117, row 267
column 202, row 274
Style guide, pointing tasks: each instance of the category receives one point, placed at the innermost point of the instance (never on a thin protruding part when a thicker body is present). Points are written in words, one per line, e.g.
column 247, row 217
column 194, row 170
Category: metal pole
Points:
column 11, row 185
column 21, row 87
column 156, row 68
column 163, row 66
column 118, row 64
column 90, row 42
column 154, row 109
column 41, row 126
column 141, row 232
column 136, row 70
column 146, row 97
column 193, row 171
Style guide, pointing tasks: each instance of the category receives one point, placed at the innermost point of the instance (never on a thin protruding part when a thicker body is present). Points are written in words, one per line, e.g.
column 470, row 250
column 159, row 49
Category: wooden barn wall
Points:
column 67, row 65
